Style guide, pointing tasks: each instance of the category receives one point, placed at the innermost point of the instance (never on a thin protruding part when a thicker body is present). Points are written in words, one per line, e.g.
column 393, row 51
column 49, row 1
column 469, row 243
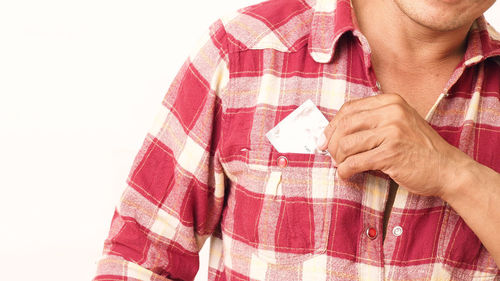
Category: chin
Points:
column 441, row 23
column 443, row 15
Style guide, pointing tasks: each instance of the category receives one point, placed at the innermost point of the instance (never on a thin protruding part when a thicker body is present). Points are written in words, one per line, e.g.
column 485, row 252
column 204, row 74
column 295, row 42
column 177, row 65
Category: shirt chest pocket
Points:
column 281, row 203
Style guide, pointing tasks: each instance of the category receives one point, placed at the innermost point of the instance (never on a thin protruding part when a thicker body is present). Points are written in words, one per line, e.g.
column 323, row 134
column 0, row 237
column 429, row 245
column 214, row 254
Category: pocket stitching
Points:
column 323, row 244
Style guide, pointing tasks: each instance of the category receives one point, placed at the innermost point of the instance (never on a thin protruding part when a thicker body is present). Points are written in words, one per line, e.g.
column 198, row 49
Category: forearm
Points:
column 475, row 196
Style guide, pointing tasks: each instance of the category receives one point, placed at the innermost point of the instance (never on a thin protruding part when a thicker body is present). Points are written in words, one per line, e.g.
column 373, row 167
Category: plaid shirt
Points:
column 206, row 169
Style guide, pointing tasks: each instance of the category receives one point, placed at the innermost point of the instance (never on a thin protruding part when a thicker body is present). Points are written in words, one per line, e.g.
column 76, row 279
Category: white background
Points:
column 80, row 83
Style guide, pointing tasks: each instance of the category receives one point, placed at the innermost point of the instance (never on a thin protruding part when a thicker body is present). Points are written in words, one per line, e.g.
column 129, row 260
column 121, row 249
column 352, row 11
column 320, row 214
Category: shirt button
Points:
column 282, row 161
column 371, row 232
column 397, row 231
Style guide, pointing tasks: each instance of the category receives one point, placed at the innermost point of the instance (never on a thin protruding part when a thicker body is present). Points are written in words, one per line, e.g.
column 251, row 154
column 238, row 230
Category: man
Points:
column 410, row 189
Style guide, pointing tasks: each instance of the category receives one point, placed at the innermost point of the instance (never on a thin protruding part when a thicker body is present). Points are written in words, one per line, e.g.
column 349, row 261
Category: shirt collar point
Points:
column 474, row 60
column 321, row 57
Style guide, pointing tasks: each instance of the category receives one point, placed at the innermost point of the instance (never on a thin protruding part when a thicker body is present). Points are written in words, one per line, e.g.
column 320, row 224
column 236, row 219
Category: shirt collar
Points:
column 333, row 18
column 483, row 42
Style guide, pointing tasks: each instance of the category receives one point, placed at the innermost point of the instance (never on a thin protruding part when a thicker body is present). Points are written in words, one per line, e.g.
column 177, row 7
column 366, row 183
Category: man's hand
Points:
column 384, row 133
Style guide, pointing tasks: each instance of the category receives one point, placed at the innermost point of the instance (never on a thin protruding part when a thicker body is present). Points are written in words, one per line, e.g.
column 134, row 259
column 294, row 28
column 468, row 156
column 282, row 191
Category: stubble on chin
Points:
column 425, row 15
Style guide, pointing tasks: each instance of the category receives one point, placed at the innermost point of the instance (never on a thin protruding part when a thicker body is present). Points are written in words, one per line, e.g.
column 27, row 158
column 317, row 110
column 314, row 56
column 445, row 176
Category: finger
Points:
column 361, row 162
column 359, row 105
column 358, row 142
column 347, row 124
column 364, row 120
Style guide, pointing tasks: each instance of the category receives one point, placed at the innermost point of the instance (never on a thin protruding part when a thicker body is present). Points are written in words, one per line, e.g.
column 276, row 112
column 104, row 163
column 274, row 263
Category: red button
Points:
column 282, row 162
column 371, row 232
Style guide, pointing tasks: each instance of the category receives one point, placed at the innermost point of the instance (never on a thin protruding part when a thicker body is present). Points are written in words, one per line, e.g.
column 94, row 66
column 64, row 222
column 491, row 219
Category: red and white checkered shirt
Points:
column 207, row 169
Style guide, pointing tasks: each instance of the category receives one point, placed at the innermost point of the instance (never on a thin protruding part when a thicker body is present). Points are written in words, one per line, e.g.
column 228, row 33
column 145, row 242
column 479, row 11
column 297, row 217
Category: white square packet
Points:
column 299, row 131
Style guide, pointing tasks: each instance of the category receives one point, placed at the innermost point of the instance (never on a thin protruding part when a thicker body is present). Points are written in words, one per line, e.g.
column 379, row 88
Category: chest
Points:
column 420, row 92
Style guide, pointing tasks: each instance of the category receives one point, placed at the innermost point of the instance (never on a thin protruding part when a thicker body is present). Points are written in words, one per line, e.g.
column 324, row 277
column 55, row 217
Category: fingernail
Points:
column 321, row 141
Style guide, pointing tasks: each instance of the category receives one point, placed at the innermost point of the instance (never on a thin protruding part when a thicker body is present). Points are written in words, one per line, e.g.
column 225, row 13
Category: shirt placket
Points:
column 371, row 239
column 395, row 232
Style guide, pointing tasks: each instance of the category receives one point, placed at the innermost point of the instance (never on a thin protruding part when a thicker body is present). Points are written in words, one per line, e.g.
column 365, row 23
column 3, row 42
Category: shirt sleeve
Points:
column 174, row 194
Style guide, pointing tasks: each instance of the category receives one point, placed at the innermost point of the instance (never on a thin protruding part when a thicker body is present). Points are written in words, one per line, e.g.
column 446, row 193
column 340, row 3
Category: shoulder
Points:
column 283, row 25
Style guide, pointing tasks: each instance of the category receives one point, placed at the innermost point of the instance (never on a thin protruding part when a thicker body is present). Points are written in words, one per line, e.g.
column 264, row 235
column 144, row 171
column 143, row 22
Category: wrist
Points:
column 469, row 180
column 460, row 177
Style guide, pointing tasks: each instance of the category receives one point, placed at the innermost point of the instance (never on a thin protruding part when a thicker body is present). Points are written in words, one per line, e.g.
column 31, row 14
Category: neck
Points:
column 410, row 44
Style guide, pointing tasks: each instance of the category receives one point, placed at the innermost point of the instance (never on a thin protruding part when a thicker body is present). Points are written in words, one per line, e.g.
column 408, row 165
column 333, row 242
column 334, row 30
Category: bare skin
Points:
column 388, row 132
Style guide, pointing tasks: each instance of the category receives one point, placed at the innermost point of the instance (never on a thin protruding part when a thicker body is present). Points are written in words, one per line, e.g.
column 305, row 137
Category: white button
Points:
column 397, row 231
